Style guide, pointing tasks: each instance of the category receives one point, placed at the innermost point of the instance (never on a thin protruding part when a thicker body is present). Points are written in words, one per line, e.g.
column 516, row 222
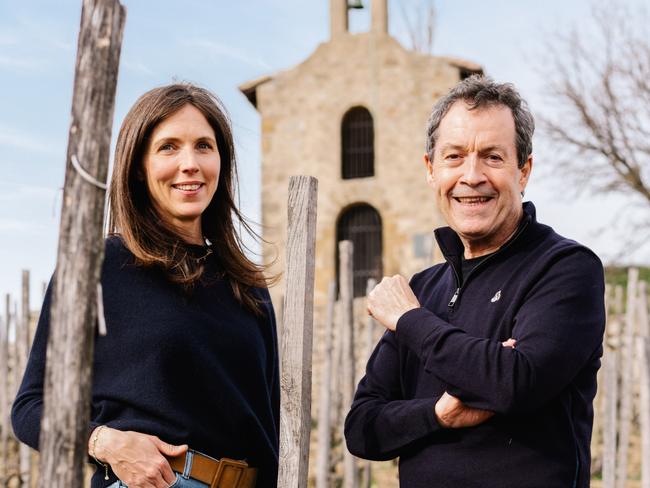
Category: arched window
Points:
column 357, row 144
column 361, row 224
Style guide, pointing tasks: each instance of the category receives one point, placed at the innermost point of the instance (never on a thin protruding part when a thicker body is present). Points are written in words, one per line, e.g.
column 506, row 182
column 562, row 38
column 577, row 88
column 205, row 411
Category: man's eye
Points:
column 495, row 157
column 452, row 157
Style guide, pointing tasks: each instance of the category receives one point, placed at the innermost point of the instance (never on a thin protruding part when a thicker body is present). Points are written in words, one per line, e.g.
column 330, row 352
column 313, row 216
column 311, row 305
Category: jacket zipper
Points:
column 460, row 287
column 452, row 302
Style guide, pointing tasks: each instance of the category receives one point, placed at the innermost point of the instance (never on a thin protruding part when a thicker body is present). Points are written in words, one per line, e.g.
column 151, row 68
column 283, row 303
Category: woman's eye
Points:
column 166, row 147
column 204, row 145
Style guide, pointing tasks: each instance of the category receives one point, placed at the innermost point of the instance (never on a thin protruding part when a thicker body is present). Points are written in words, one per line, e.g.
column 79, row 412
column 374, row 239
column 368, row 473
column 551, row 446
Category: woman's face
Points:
column 181, row 168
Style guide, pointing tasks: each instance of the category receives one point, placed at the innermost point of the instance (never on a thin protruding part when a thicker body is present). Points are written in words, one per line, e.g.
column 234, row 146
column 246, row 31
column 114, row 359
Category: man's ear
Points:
column 429, row 168
column 525, row 173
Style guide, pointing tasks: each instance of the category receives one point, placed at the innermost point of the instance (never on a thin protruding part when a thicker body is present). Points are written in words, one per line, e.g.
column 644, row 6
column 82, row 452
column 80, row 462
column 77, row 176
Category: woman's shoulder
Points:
column 116, row 252
column 114, row 243
column 261, row 293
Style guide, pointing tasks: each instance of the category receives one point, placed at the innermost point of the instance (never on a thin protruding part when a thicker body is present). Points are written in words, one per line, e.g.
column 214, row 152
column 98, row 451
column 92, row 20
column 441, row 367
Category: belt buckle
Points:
column 224, row 464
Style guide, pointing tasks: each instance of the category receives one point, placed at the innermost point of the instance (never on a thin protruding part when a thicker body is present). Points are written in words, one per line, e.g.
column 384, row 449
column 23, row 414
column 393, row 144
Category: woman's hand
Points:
column 136, row 459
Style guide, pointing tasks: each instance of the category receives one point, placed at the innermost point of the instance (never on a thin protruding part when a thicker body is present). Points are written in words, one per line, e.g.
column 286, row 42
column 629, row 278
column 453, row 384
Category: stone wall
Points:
column 302, row 109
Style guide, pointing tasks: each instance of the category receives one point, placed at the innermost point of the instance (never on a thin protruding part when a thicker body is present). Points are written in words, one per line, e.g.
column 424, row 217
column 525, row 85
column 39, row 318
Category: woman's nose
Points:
column 188, row 163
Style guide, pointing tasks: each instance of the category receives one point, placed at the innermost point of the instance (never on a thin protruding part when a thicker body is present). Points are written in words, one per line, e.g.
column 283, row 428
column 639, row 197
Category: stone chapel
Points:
column 353, row 114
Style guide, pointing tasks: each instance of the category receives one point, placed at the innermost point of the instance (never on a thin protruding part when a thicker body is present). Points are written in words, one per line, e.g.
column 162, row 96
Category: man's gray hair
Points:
column 481, row 92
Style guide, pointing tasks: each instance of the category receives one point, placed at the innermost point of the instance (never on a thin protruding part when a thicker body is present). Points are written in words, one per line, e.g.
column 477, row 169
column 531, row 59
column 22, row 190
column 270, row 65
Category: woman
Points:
column 190, row 355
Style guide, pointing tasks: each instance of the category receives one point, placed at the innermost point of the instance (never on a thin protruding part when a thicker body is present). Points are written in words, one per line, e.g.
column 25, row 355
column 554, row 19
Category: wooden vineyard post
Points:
column 643, row 355
column 598, row 401
column 610, row 376
column 346, row 289
column 626, row 358
column 325, row 396
column 296, row 349
column 63, row 440
column 16, row 376
column 611, row 356
column 4, row 393
column 25, row 335
column 23, row 343
column 336, row 417
column 370, row 343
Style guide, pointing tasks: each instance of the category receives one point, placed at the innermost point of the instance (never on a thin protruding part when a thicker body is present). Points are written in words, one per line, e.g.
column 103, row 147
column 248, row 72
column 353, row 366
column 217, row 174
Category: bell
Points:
column 354, row 4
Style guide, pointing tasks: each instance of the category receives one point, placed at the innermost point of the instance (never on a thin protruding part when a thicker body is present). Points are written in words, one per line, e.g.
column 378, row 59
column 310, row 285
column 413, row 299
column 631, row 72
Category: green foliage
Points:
column 617, row 275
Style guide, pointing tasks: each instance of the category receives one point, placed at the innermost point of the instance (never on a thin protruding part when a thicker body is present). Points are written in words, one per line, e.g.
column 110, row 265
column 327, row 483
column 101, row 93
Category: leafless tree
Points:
column 598, row 102
column 419, row 17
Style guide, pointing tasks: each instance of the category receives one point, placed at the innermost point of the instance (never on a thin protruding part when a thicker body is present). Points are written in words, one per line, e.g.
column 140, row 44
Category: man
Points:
column 487, row 372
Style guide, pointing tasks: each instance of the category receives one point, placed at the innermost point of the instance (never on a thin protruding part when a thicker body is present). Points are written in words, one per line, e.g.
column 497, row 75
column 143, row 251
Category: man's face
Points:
column 475, row 176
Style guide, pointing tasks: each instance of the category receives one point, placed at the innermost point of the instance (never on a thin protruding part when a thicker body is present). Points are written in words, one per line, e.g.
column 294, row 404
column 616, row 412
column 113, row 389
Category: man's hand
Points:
column 454, row 414
column 137, row 459
column 390, row 299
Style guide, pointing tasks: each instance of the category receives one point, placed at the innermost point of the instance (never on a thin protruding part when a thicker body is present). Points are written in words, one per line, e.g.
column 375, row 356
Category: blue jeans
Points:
column 183, row 479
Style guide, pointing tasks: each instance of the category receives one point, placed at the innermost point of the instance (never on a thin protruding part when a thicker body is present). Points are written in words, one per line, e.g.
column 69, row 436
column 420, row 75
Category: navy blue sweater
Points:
column 195, row 369
column 543, row 290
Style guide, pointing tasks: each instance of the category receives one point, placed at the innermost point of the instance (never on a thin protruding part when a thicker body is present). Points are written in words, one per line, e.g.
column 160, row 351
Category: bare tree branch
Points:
column 419, row 18
column 598, row 79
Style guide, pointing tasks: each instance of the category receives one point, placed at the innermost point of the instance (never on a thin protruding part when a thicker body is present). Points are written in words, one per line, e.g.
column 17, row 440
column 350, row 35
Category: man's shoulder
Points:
column 557, row 246
column 552, row 252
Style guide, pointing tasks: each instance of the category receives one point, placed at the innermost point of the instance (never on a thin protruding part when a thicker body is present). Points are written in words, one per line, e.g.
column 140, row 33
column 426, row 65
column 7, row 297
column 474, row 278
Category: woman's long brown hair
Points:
column 155, row 243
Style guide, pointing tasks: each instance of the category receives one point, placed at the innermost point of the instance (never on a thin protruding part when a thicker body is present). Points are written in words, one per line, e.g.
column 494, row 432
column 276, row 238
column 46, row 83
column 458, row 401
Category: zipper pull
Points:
column 452, row 302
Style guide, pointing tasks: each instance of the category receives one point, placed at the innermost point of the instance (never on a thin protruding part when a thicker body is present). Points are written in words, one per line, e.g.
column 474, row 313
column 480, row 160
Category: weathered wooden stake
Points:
column 645, row 404
column 643, row 356
column 370, row 344
column 13, row 462
column 63, row 440
column 15, row 349
column 610, row 388
column 346, row 290
column 23, row 346
column 627, row 358
column 336, row 419
column 26, row 338
column 295, row 410
column 324, row 408
column 610, row 365
column 4, row 393
column 598, row 402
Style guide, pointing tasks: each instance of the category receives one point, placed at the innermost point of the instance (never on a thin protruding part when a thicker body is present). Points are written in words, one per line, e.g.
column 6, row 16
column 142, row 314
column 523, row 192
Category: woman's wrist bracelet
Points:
column 94, row 446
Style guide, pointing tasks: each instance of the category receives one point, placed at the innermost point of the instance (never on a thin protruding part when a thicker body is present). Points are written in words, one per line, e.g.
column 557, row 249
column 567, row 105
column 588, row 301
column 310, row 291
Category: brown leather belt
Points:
column 223, row 473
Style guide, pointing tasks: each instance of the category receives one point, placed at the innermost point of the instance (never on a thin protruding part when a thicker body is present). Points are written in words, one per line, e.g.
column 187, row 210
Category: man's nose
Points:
column 473, row 173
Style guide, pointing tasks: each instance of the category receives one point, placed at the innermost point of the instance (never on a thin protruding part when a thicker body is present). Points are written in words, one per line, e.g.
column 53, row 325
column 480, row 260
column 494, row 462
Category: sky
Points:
column 220, row 45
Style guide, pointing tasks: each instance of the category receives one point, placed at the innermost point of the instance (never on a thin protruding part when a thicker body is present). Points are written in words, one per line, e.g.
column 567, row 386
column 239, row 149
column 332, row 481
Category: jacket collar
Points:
column 452, row 247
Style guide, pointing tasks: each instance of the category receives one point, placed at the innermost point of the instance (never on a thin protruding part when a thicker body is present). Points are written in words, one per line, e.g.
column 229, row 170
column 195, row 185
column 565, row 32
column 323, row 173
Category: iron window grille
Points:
column 361, row 224
column 357, row 144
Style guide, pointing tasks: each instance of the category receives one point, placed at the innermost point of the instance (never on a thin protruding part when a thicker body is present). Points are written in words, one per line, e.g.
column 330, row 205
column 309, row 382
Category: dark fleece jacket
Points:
column 543, row 290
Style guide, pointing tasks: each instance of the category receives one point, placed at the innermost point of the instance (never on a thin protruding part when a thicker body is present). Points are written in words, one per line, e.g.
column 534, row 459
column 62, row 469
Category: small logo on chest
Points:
column 496, row 297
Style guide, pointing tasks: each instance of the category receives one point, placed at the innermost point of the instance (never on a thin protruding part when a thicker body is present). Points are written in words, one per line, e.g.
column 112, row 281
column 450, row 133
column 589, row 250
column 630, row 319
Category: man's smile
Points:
column 477, row 200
